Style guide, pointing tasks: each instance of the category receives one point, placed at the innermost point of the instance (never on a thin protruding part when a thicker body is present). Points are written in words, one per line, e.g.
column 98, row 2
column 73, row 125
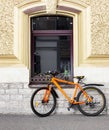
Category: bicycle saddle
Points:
column 79, row 77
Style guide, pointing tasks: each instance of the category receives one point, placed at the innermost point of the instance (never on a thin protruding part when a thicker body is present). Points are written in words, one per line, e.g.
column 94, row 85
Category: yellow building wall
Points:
column 99, row 26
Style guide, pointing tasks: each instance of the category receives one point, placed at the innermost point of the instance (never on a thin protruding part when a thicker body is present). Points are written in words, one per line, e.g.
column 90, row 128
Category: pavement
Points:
column 54, row 122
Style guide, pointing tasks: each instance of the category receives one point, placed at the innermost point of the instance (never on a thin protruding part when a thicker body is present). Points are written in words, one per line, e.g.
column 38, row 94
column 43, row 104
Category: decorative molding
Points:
column 73, row 10
column 25, row 3
column 81, row 3
column 34, row 9
column 51, row 6
column 9, row 60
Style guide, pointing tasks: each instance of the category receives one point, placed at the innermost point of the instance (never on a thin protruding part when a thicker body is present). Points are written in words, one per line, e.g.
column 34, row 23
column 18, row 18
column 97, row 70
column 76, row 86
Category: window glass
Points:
column 52, row 23
column 51, row 51
column 51, row 54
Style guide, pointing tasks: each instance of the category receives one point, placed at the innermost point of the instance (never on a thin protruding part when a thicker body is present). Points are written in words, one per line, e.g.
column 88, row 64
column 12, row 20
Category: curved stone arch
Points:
column 79, row 12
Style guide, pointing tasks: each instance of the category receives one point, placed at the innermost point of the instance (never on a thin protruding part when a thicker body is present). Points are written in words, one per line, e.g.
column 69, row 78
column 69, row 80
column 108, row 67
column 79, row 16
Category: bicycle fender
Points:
column 55, row 93
column 94, row 84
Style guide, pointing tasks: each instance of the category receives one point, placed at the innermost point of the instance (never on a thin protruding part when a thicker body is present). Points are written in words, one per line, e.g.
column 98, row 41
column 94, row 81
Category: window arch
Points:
column 81, row 21
column 52, row 46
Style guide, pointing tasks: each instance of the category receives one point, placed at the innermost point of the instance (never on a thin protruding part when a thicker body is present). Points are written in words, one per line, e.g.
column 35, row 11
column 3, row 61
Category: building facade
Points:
column 90, row 46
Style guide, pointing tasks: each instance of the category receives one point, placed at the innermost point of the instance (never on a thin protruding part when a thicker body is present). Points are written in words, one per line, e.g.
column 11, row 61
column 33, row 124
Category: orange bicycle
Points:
column 90, row 100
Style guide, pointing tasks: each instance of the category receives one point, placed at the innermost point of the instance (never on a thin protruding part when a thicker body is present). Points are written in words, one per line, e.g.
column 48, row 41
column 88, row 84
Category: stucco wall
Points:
column 6, row 26
column 99, row 25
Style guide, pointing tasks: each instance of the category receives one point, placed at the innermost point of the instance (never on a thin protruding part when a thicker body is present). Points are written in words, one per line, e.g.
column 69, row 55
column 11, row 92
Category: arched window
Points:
column 51, row 46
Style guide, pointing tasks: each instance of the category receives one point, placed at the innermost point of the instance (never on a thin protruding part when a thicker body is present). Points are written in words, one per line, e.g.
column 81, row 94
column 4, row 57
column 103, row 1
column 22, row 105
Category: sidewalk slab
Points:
column 54, row 122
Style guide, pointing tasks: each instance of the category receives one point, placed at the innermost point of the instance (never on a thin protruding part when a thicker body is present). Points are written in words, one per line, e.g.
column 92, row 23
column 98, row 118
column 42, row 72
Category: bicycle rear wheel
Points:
column 39, row 107
column 97, row 105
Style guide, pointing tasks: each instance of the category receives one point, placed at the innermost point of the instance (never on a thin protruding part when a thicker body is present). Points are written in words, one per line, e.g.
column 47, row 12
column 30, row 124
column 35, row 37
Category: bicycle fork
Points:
column 46, row 95
column 48, row 92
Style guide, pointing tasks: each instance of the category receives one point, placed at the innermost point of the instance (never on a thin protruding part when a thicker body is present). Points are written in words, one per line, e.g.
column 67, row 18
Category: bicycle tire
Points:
column 92, row 109
column 41, row 108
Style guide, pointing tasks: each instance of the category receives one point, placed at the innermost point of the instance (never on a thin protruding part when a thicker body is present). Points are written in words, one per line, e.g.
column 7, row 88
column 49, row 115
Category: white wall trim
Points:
column 9, row 75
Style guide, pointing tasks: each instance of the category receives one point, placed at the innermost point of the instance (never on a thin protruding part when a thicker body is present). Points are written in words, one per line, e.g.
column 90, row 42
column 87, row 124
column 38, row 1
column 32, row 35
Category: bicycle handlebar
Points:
column 54, row 73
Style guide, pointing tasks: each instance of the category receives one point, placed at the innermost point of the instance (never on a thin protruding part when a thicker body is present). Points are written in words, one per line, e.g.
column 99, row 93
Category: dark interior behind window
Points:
column 51, row 50
column 52, row 23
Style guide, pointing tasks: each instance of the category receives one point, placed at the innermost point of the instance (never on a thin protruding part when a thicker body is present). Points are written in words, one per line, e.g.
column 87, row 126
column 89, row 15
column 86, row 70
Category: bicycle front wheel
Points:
column 97, row 105
column 39, row 107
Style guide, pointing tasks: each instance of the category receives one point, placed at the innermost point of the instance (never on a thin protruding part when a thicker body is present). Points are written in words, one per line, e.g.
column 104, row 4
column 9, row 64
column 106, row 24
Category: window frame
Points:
column 50, row 33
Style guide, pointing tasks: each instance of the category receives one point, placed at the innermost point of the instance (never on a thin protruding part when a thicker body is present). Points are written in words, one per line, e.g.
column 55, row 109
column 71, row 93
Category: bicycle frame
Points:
column 72, row 100
column 90, row 100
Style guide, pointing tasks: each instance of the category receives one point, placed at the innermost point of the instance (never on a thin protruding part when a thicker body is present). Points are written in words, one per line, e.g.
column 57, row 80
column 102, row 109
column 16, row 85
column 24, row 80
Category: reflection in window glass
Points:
column 52, row 54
